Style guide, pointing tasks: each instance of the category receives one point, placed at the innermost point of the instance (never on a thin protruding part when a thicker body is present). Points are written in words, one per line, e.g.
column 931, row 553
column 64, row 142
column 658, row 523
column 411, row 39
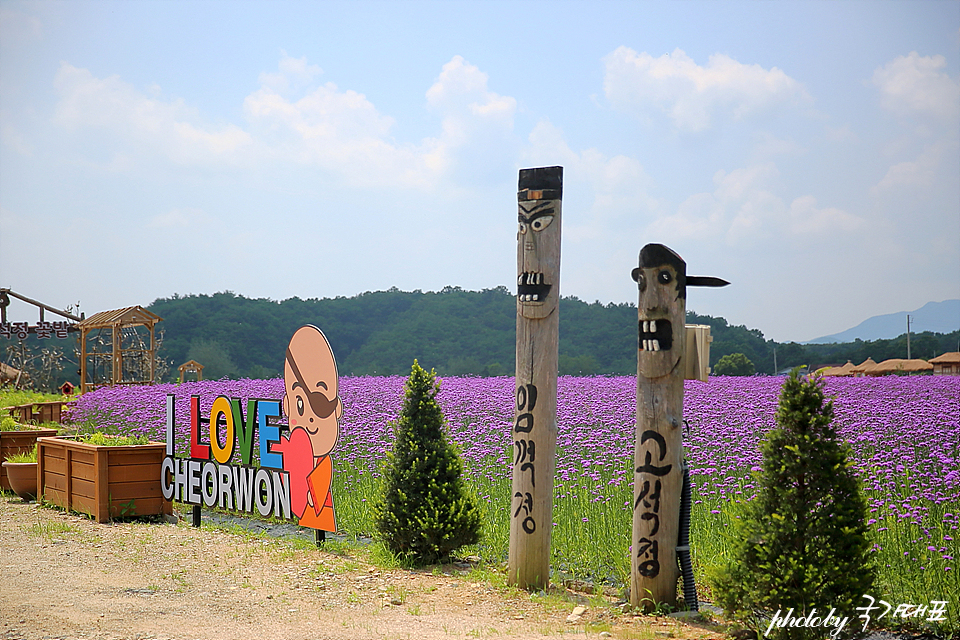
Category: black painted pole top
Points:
column 541, row 179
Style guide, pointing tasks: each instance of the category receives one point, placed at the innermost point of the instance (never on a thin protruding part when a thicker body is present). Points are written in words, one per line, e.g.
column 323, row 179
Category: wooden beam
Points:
column 658, row 451
column 59, row 312
column 535, row 400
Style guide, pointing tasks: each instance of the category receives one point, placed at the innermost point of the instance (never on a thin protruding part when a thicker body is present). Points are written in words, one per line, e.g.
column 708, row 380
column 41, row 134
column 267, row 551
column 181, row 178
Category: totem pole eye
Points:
column 664, row 277
column 642, row 282
column 541, row 223
column 523, row 227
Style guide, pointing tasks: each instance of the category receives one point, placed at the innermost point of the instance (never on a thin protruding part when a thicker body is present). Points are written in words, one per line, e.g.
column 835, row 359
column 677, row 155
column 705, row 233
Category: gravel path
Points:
column 64, row 576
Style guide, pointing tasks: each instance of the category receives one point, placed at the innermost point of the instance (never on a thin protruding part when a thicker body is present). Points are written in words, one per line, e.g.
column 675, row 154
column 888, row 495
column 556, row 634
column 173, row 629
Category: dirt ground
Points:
column 65, row 576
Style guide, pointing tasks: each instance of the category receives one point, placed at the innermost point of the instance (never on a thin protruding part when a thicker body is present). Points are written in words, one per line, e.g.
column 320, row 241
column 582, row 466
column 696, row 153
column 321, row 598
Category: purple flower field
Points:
column 904, row 432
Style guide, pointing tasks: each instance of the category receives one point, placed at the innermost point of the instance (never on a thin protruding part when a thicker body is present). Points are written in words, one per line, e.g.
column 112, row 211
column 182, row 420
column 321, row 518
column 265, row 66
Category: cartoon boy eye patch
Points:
column 321, row 406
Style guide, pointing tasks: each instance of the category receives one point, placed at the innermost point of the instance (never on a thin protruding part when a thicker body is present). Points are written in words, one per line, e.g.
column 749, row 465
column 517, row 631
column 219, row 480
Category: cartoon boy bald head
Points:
column 311, row 399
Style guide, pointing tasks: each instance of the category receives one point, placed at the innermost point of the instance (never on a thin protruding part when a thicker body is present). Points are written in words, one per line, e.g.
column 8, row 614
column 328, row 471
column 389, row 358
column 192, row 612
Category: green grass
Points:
column 592, row 534
column 24, row 456
column 102, row 440
column 10, row 397
column 51, row 529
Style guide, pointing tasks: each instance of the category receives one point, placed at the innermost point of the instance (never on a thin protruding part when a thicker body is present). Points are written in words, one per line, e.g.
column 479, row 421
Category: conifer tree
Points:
column 425, row 511
column 802, row 542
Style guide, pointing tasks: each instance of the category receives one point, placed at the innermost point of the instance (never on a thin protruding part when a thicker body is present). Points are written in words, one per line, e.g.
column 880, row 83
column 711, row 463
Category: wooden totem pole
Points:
column 535, row 425
column 658, row 455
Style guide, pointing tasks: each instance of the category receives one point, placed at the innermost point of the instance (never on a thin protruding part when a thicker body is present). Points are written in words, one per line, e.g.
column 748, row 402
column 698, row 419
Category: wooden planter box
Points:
column 12, row 442
column 38, row 412
column 104, row 482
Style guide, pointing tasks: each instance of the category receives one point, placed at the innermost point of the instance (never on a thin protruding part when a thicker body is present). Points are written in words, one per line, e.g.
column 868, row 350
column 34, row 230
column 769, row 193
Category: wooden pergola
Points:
column 113, row 349
column 191, row 366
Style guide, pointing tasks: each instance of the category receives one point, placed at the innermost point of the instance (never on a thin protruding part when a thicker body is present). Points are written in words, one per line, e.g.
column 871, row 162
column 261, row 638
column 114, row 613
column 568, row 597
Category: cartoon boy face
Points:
column 311, row 401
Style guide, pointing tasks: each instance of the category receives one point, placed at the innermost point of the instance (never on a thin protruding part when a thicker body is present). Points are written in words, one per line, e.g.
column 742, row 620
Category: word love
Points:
column 215, row 482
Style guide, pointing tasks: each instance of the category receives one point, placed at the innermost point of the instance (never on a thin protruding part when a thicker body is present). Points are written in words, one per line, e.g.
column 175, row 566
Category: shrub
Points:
column 802, row 543
column 734, row 364
column 7, row 423
column 425, row 511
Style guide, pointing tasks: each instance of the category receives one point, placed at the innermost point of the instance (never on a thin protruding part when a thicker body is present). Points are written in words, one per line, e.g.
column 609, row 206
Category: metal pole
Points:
column 908, row 336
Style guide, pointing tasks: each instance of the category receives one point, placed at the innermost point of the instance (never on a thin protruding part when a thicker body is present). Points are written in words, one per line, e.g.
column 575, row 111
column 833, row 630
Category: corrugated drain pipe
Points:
column 683, row 544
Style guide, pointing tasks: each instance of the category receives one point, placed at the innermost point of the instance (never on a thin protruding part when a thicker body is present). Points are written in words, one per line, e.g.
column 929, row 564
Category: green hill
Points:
column 456, row 332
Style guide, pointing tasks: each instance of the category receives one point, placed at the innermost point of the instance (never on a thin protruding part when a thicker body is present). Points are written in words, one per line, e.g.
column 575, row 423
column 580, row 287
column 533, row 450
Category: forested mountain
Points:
column 458, row 332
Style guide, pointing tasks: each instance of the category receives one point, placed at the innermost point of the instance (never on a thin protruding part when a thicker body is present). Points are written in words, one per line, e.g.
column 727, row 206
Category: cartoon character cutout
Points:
column 313, row 408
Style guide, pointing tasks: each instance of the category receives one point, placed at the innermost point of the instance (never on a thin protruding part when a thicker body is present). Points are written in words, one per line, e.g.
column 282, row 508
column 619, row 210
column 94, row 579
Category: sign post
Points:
column 662, row 281
column 539, row 196
column 294, row 476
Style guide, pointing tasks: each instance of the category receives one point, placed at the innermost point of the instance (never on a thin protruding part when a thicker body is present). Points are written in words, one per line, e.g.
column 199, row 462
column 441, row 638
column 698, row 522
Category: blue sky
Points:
column 808, row 152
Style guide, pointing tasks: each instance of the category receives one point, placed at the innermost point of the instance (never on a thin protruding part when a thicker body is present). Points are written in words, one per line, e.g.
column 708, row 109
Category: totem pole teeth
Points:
column 531, row 288
column 655, row 336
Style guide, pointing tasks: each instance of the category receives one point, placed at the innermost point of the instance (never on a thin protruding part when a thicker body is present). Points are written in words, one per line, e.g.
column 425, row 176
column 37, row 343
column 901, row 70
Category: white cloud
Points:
column 744, row 208
column 916, row 174
column 113, row 105
column 690, row 94
column 805, row 217
column 477, row 123
column 336, row 130
column 619, row 185
column 918, row 85
column 329, row 127
column 462, row 87
column 292, row 72
column 339, row 131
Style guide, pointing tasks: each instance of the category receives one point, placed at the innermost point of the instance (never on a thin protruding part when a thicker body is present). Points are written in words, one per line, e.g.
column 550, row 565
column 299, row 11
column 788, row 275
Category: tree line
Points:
column 461, row 332
column 454, row 331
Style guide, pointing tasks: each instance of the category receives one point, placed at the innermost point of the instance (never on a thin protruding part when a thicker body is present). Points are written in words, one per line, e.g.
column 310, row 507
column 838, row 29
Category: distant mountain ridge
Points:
column 938, row 317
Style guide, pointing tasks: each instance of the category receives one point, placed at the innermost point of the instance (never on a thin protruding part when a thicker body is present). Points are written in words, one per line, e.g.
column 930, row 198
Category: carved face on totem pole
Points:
column 538, row 241
column 662, row 280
